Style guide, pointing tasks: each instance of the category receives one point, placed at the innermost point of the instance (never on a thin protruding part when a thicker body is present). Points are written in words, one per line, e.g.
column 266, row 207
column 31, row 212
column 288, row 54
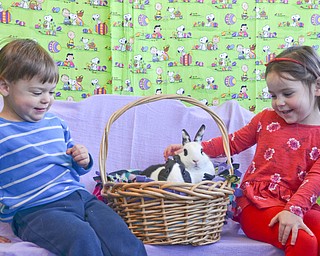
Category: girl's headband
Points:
column 292, row 60
column 284, row 59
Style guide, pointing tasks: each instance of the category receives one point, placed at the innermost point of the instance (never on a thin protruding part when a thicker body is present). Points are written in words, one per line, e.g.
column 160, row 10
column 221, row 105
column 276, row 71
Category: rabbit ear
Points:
column 199, row 135
column 185, row 137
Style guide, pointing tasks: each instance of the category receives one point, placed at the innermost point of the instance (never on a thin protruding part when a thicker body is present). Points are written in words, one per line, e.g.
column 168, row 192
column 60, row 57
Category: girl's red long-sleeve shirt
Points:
column 285, row 170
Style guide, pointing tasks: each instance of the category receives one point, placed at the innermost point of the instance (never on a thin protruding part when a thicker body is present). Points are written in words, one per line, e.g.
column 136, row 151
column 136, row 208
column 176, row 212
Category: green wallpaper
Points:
column 212, row 50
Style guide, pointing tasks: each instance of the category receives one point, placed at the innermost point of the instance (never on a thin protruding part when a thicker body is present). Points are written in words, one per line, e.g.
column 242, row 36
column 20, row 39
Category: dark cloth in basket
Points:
column 124, row 175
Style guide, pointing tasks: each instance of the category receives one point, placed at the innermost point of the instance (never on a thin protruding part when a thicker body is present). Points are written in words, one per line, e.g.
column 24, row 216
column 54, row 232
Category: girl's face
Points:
column 293, row 100
column 26, row 100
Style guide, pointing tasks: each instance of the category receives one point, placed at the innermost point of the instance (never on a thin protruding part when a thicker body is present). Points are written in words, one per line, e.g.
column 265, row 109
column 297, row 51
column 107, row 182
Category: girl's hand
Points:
column 173, row 149
column 289, row 223
column 4, row 240
column 80, row 155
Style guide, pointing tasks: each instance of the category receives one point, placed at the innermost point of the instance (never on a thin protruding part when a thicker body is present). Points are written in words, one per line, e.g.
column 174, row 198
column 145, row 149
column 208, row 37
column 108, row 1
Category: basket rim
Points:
column 161, row 189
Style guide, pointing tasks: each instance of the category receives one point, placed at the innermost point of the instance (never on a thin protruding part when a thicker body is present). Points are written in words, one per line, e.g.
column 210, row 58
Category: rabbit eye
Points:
column 185, row 152
column 201, row 151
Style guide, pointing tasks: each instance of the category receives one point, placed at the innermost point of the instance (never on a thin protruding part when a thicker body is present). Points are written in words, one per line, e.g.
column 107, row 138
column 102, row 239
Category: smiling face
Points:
column 26, row 100
column 294, row 101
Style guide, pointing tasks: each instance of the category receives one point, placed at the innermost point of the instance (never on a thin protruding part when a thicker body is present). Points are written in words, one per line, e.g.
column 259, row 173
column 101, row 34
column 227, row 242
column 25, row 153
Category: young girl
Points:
column 40, row 166
column 281, row 186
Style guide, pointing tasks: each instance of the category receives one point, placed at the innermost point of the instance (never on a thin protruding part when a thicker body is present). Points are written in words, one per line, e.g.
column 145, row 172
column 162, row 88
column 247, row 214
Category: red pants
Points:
column 254, row 223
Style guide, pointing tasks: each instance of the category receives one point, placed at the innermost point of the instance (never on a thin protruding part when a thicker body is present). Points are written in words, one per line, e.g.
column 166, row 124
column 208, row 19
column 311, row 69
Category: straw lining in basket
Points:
column 162, row 212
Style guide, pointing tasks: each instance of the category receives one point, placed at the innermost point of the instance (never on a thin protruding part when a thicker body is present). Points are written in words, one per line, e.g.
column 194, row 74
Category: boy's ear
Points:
column 4, row 88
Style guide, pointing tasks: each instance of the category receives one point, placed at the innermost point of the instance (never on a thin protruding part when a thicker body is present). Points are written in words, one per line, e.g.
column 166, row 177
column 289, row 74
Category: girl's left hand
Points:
column 79, row 154
column 289, row 223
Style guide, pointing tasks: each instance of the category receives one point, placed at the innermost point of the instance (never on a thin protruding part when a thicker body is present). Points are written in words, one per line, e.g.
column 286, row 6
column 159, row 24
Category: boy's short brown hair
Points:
column 25, row 59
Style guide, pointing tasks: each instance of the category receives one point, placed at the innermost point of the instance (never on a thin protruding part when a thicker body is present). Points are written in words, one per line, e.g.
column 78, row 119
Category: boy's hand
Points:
column 4, row 240
column 80, row 155
column 173, row 149
column 289, row 223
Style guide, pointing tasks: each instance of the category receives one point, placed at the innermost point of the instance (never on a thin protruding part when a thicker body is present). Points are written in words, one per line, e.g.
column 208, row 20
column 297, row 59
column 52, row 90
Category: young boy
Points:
column 40, row 166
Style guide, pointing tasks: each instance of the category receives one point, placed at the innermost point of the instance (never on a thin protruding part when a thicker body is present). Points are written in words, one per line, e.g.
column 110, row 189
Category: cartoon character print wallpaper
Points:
column 213, row 50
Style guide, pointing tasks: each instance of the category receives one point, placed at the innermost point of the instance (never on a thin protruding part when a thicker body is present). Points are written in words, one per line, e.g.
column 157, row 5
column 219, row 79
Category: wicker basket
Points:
column 162, row 212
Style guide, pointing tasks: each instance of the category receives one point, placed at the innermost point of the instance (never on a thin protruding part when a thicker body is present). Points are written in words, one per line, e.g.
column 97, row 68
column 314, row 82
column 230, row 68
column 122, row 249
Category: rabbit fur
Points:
column 188, row 166
column 196, row 162
column 173, row 171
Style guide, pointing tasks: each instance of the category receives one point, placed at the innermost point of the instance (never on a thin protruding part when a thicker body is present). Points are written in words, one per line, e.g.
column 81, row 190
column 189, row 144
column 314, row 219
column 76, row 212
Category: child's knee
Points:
column 305, row 245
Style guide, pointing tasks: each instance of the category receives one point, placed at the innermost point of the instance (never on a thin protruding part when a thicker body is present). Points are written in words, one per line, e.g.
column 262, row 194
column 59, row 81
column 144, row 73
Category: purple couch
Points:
column 136, row 140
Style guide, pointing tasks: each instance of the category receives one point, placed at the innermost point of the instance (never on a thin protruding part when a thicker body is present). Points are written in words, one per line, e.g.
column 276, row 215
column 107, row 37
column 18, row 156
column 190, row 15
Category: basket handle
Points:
column 149, row 99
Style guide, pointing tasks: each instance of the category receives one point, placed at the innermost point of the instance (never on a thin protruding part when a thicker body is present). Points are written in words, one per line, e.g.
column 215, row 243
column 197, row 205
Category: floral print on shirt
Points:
column 274, row 126
column 275, row 179
column 269, row 153
column 293, row 144
column 315, row 153
column 296, row 210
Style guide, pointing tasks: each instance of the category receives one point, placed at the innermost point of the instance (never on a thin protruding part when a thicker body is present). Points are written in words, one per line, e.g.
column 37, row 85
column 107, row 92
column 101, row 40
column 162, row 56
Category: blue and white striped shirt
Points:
column 34, row 166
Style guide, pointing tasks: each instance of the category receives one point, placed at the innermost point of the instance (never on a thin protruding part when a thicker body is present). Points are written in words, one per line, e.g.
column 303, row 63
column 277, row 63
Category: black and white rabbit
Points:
column 196, row 162
column 188, row 166
column 173, row 171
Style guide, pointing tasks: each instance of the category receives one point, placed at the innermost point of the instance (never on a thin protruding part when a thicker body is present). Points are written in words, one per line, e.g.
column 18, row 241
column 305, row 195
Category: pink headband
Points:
column 284, row 59
column 291, row 60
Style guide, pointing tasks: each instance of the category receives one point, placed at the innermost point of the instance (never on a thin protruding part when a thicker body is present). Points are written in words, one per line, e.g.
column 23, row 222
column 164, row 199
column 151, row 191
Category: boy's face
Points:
column 26, row 100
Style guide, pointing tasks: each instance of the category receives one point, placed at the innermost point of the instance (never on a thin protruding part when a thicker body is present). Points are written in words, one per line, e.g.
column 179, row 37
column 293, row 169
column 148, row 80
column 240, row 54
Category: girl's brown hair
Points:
column 25, row 59
column 302, row 63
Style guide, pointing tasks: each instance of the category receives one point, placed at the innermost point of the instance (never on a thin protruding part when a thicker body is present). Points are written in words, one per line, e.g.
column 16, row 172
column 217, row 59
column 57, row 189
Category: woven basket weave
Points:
column 161, row 212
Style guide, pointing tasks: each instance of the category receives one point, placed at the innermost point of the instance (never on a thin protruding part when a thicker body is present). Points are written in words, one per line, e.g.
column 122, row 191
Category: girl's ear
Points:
column 317, row 89
column 4, row 88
